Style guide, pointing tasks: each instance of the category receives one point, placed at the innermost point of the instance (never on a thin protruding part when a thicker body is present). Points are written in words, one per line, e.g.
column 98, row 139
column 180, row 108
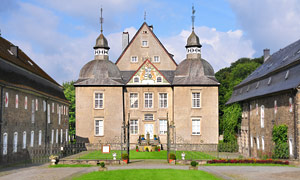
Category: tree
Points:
column 69, row 91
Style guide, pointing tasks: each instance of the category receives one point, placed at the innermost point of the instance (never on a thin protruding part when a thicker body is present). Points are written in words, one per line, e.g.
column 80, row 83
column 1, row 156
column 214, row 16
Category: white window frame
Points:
column 144, row 43
column 61, row 135
column 263, row 143
column 163, row 126
column 56, row 136
column 134, row 101
column 44, row 105
column 291, row 147
column 48, row 114
column 148, row 100
column 52, row 107
column 25, row 102
column 163, row 101
column 52, row 136
column 99, row 126
column 196, row 128
column 196, row 101
column 40, row 137
column 15, row 142
column 5, row 139
column 275, row 107
column 156, row 59
column 134, row 126
column 24, row 140
column 36, row 104
column 31, row 138
column 134, row 59
column 262, row 116
column 17, row 101
column 251, row 141
column 257, row 142
column 32, row 111
column 148, row 115
column 99, row 100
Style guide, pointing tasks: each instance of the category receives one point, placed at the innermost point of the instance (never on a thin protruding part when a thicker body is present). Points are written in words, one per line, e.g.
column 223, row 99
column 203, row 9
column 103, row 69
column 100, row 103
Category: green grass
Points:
column 70, row 165
column 149, row 174
column 146, row 155
column 244, row 164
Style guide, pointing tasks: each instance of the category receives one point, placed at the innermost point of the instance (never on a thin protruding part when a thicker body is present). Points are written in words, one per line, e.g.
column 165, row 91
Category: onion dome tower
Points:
column 194, row 70
column 100, row 71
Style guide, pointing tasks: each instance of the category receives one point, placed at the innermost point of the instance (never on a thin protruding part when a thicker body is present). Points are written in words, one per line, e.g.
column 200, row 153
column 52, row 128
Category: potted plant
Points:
column 102, row 166
column 53, row 159
column 147, row 149
column 155, row 137
column 137, row 148
column 194, row 165
column 172, row 157
column 142, row 137
column 125, row 158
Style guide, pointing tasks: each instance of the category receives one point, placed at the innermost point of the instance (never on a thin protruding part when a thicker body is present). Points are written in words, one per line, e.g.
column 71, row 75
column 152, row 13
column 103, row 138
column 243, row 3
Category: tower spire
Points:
column 193, row 17
column 101, row 20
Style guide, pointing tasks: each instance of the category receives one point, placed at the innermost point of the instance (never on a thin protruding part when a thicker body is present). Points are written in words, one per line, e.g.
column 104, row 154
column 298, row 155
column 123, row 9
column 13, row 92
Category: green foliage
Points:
column 102, row 164
column 172, row 156
column 194, row 163
column 228, row 146
column 69, row 91
column 279, row 136
column 124, row 156
column 228, row 78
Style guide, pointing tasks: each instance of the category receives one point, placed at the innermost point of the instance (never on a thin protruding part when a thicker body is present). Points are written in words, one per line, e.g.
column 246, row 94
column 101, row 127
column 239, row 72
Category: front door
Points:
column 149, row 129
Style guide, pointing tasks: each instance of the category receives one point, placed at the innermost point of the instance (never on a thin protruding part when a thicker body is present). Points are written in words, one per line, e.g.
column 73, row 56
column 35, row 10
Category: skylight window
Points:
column 287, row 74
column 248, row 88
column 30, row 63
column 10, row 52
column 257, row 85
column 285, row 58
column 270, row 80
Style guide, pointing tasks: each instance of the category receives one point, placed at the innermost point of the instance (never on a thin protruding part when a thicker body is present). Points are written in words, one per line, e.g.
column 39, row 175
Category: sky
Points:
column 59, row 35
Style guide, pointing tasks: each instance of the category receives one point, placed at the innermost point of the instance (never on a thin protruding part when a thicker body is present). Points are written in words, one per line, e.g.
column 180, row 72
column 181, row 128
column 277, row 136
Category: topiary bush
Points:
column 194, row 163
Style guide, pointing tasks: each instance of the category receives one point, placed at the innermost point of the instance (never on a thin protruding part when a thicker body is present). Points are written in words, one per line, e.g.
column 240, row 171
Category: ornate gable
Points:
column 148, row 74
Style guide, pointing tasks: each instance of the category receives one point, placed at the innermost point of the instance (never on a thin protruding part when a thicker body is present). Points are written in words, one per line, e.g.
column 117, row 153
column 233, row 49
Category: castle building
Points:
column 147, row 88
column 270, row 96
column 33, row 107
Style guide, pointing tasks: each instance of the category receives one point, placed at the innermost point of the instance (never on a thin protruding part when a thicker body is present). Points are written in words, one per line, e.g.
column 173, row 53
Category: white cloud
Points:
column 218, row 48
column 270, row 23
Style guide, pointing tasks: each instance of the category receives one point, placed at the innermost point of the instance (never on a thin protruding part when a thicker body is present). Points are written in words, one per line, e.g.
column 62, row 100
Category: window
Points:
column 56, row 136
column 52, row 107
column 17, row 101
column 15, row 145
column 158, row 79
column 98, row 100
column 57, row 108
column 156, row 59
column 67, row 135
column 4, row 143
column 136, row 79
column 148, row 100
column 196, row 126
column 262, row 116
column 291, row 146
column 32, row 111
column 287, row 74
column 196, row 100
column 134, row 101
column 6, row 99
column 145, row 43
column 99, row 128
column 263, row 143
column 290, row 104
column 32, row 139
column 59, row 115
column 45, row 106
column 134, row 127
column 134, row 59
column 61, row 135
column 275, row 107
column 251, row 141
column 40, row 137
column 257, row 139
column 52, row 136
column 163, row 127
column 24, row 140
column 36, row 104
column 163, row 100
column 148, row 117
column 48, row 113
column 25, row 102
column 256, row 109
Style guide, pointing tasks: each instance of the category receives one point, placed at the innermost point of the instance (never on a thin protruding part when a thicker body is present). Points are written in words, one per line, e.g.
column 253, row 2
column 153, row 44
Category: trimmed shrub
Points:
column 172, row 156
column 102, row 164
column 124, row 156
column 194, row 163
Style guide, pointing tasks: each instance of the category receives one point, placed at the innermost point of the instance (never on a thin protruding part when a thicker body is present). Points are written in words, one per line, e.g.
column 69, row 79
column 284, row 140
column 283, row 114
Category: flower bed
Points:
column 248, row 161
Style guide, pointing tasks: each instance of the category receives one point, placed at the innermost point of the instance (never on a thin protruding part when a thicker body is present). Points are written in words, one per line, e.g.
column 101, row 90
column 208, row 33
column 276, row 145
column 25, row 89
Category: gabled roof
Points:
column 155, row 37
column 155, row 73
column 270, row 77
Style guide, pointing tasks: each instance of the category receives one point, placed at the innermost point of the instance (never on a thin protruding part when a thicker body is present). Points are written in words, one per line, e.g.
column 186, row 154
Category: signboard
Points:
column 105, row 148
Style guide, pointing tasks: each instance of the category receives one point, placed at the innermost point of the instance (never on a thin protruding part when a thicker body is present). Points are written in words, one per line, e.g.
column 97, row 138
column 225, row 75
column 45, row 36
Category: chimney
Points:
column 125, row 40
column 14, row 50
column 266, row 54
column 151, row 27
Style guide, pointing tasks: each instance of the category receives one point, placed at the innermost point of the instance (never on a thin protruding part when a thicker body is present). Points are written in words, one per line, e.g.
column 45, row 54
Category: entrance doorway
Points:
column 149, row 129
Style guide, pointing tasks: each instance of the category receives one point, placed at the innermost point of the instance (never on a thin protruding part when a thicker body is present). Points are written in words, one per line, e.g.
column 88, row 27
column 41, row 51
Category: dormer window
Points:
column 158, row 79
column 145, row 43
column 136, row 79
column 134, row 59
column 156, row 59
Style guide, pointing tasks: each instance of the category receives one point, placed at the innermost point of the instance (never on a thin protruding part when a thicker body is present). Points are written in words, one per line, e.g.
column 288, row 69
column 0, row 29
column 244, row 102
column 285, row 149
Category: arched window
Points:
column 262, row 116
column 32, row 139
column 15, row 144
column 24, row 140
column 4, row 143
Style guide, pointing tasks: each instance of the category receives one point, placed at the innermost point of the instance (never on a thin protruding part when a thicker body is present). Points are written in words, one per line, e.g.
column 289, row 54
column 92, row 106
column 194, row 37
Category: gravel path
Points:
column 225, row 172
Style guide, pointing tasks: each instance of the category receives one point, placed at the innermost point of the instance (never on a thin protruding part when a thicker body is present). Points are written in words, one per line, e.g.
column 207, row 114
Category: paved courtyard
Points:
column 225, row 172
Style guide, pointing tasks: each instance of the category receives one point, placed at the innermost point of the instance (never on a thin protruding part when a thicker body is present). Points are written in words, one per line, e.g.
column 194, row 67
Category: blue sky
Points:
column 59, row 35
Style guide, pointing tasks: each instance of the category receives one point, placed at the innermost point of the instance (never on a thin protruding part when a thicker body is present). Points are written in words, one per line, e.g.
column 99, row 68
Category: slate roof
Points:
column 275, row 69
column 22, row 72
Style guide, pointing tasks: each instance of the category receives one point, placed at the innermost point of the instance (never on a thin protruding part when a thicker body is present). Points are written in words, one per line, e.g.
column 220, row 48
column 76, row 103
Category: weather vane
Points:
column 193, row 16
column 145, row 15
column 101, row 20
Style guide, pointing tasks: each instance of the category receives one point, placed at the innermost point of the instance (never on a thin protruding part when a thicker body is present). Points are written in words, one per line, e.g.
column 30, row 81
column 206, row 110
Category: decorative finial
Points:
column 101, row 21
column 193, row 17
column 145, row 15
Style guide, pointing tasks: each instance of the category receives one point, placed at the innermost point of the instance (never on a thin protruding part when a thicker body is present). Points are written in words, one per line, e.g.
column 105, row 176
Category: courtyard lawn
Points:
column 149, row 174
column 195, row 155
